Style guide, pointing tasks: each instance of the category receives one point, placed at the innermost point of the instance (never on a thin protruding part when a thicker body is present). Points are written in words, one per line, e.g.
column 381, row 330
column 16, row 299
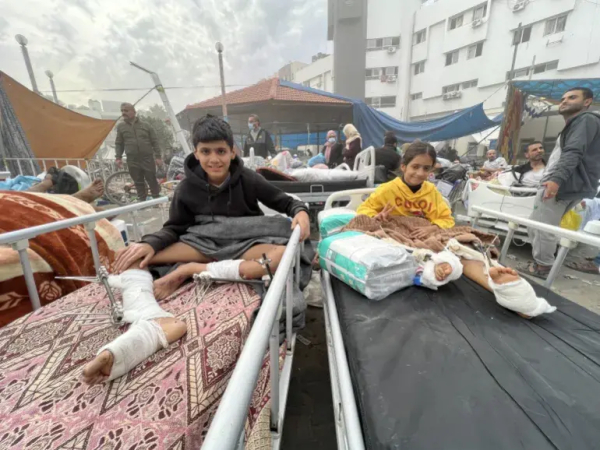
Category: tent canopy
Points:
column 554, row 89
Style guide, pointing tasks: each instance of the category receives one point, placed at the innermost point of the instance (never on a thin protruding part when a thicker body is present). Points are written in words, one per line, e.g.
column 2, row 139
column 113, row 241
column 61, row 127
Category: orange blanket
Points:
column 64, row 253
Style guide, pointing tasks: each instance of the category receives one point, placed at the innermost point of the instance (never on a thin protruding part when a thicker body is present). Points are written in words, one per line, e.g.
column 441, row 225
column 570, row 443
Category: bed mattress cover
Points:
column 297, row 187
column 453, row 370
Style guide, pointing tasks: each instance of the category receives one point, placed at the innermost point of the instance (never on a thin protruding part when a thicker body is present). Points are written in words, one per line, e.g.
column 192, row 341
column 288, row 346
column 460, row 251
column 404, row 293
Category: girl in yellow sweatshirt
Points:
column 411, row 194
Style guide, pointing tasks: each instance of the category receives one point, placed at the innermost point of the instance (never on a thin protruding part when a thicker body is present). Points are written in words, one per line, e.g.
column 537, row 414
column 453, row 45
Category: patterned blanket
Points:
column 399, row 228
column 167, row 402
column 66, row 252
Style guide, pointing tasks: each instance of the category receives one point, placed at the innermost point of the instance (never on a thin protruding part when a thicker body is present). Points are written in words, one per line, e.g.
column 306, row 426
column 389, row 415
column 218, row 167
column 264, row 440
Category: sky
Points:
column 89, row 43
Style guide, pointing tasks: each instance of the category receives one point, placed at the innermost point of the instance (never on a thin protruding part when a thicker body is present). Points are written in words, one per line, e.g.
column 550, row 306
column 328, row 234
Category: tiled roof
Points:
column 264, row 91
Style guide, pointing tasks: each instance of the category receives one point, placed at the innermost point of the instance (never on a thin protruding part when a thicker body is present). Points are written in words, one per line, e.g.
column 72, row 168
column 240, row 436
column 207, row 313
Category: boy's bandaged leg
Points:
column 520, row 297
column 139, row 342
column 226, row 270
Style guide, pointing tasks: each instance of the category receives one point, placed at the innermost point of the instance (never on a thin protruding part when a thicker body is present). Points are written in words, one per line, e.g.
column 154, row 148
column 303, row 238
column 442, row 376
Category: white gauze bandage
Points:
column 139, row 302
column 428, row 278
column 139, row 342
column 226, row 270
column 520, row 297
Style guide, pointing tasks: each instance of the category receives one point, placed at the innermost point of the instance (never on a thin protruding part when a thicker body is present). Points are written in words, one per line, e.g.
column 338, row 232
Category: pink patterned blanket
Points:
column 165, row 403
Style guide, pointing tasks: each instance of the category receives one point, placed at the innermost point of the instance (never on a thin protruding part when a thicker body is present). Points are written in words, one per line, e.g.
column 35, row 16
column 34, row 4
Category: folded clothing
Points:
column 331, row 221
column 366, row 264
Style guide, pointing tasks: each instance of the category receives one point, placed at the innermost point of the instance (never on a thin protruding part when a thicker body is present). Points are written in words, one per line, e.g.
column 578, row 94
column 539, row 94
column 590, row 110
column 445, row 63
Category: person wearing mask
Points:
column 571, row 175
column 353, row 144
column 259, row 139
column 137, row 139
column 333, row 150
column 388, row 157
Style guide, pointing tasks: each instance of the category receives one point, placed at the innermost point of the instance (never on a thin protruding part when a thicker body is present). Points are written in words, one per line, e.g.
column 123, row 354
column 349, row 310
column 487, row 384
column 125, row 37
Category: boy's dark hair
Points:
column 587, row 93
column 418, row 148
column 210, row 129
column 390, row 138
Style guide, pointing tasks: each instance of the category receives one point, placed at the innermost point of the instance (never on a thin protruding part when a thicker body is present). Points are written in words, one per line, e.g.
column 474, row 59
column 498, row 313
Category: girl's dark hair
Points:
column 418, row 148
column 210, row 129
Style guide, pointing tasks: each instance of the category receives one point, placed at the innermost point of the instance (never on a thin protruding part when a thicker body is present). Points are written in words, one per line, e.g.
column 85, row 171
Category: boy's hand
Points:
column 303, row 220
column 128, row 256
column 422, row 233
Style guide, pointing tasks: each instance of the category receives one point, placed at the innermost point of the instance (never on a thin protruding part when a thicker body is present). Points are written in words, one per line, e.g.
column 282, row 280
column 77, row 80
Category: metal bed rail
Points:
column 19, row 240
column 227, row 429
column 567, row 237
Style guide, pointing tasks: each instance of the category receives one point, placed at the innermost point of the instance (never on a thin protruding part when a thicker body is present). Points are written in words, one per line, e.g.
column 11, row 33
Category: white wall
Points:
column 319, row 74
column 578, row 53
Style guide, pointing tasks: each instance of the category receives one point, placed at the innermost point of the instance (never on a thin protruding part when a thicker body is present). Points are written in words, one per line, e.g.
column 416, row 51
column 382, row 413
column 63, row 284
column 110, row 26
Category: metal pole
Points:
column 163, row 96
column 21, row 247
column 509, row 236
column 519, row 33
column 219, row 48
column 53, row 90
column 560, row 258
column 274, row 359
column 22, row 40
column 289, row 302
column 532, row 66
column 90, row 227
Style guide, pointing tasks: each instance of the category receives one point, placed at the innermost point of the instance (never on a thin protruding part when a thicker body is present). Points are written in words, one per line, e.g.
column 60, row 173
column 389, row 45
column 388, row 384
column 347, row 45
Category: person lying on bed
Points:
column 216, row 184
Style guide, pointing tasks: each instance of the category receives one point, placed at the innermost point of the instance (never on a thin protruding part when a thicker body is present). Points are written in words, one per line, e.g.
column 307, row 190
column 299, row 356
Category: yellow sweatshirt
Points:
column 427, row 203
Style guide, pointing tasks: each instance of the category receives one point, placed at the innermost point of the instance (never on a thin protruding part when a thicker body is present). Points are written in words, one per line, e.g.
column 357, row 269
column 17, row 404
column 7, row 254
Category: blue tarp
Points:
column 554, row 89
column 372, row 124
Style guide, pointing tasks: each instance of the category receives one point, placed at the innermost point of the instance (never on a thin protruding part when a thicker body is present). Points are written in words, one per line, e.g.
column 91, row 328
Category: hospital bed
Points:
column 170, row 401
column 451, row 369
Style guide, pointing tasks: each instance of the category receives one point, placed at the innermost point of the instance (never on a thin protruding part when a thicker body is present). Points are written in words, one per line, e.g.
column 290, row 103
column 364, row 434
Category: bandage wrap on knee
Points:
column 139, row 342
column 139, row 302
column 520, row 297
column 227, row 270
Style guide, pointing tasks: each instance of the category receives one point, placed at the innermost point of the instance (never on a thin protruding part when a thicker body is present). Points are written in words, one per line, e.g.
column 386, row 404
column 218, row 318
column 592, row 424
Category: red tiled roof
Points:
column 264, row 91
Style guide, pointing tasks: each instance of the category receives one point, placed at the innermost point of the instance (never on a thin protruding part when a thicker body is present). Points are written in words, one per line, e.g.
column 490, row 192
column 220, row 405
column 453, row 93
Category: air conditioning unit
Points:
column 392, row 78
column 477, row 23
column 392, row 50
column 518, row 6
column 555, row 39
column 376, row 104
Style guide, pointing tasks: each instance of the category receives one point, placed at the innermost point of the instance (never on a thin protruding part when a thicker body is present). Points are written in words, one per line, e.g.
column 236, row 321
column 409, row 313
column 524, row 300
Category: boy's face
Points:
column 215, row 159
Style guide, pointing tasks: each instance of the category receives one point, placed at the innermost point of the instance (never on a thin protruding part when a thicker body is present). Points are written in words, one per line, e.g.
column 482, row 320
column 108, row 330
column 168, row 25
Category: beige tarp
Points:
column 54, row 131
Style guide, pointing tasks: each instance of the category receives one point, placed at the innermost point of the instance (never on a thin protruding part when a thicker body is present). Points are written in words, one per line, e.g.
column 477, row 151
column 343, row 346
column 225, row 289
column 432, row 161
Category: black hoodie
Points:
column 237, row 197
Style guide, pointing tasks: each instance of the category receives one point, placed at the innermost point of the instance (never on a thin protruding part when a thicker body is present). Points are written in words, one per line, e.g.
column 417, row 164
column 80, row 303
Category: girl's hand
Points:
column 303, row 220
column 385, row 213
column 424, row 232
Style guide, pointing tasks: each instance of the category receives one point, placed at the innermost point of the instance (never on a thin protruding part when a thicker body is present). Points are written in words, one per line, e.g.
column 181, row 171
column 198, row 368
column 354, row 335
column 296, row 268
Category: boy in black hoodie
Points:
column 216, row 184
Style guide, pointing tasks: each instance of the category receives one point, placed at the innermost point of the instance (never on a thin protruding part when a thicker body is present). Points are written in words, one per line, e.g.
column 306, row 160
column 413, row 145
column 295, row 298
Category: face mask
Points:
column 250, row 126
column 331, row 140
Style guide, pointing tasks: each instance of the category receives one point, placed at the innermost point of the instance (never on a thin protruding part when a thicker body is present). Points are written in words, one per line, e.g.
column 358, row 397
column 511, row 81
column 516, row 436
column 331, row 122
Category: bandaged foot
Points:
column 140, row 341
column 514, row 293
column 440, row 269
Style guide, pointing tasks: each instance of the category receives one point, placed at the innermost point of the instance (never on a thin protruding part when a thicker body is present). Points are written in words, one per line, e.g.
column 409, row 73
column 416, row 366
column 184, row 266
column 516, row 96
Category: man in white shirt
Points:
column 494, row 163
column 531, row 173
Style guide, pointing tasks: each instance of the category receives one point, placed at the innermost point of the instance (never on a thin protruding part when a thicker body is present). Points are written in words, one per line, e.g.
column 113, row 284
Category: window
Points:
column 451, row 58
column 475, row 50
column 469, row 84
column 451, row 88
column 480, row 12
column 419, row 67
column 381, row 43
column 556, row 25
column 456, row 22
column 416, row 96
column 373, row 74
column 539, row 68
column 391, row 70
column 381, row 102
column 522, row 35
column 420, row 36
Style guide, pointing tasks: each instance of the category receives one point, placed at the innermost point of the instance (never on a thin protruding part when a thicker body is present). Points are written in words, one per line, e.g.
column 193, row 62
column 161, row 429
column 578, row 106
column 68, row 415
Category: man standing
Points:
column 530, row 174
column 139, row 142
column 258, row 138
column 571, row 175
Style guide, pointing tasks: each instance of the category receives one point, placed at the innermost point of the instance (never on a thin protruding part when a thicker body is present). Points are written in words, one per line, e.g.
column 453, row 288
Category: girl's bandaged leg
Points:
column 139, row 302
column 520, row 297
column 227, row 270
column 142, row 340
column 428, row 278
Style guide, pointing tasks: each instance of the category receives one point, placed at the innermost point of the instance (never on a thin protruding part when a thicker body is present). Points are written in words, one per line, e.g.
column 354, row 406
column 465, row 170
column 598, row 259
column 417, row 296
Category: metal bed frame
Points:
column 347, row 423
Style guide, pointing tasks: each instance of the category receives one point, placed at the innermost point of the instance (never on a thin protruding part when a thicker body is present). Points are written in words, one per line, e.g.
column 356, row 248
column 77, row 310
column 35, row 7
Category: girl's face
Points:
column 417, row 171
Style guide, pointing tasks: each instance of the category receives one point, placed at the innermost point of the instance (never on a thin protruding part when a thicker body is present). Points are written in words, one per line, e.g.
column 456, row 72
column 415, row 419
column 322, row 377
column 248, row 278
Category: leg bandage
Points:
column 139, row 342
column 227, row 270
column 520, row 297
column 139, row 302
column 428, row 278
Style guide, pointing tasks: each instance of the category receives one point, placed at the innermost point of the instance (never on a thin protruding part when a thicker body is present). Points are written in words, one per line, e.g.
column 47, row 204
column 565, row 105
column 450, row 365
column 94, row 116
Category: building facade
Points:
column 318, row 74
column 424, row 59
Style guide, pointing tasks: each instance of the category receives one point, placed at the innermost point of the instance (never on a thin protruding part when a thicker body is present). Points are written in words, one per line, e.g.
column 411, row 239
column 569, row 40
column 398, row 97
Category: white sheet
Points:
column 327, row 175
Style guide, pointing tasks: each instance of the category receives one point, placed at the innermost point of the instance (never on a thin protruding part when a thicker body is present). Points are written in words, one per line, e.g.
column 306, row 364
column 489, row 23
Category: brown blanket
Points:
column 400, row 228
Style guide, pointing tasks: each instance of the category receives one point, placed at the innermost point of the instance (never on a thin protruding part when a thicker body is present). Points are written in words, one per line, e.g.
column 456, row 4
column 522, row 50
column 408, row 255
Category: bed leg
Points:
column 565, row 246
column 274, row 360
column 21, row 247
column 90, row 228
column 512, row 227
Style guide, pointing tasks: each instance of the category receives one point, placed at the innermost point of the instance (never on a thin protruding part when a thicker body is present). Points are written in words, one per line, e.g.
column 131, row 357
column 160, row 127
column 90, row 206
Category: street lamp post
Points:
column 22, row 40
column 50, row 75
column 219, row 48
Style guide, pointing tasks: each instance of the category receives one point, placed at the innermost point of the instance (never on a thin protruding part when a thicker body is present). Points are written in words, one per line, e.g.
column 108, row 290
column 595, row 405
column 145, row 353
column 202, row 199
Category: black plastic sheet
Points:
column 453, row 370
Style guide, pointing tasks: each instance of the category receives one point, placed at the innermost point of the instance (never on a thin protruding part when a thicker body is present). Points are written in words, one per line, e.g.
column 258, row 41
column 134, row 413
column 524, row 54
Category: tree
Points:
column 164, row 133
column 157, row 111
